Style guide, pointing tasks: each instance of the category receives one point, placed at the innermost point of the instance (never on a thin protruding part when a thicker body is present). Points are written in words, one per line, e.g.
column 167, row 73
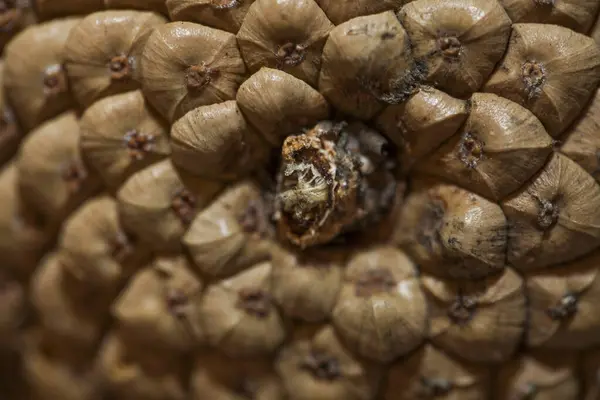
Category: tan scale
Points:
column 499, row 148
column 306, row 284
column 94, row 249
column 581, row 142
column 578, row 15
column 422, row 123
column 367, row 63
column 316, row 365
column 227, row 15
column 217, row 377
column 159, row 307
column 459, row 41
column 103, row 54
column 381, row 311
column 539, row 375
column 554, row 218
column 477, row 321
column 129, row 373
column 285, row 34
column 239, row 316
column 53, row 178
column 550, row 70
column 11, row 132
column 158, row 204
column 451, row 232
column 340, row 11
column 232, row 233
column 217, row 142
column 35, row 81
column 562, row 305
column 279, row 105
column 121, row 135
column 190, row 65
column 429, row 373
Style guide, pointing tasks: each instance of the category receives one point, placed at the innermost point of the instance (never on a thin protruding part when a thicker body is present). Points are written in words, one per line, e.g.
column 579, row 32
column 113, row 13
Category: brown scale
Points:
column 55, row 80
column 322, row 366
column 375, row 281
column 184, row 205
column 254, row 302
column 290, row 55
column 199, row 76
column 139, row 143
column 120, row 67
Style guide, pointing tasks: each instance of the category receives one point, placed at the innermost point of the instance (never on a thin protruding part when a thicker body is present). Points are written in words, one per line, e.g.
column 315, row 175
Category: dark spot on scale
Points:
column 387, row 35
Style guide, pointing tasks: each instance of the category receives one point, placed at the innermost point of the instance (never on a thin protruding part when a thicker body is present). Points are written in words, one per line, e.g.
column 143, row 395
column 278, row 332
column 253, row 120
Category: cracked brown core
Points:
column 431, row 221
column 470, row 150
column 566, row 307
column 290, row 55
column 225, row 4
column 54, row 80
column 184, row 206
column 10, row 16
column 138, row 144
column 121, row 248
column 177, row 301
column 74, row 175
column 449, row 46
column 544, row 2
column 254, row 302
column 434, row 387
column 534, row 78
column 462, row 309
column 120, row 67
column 322, row 366
column 199, row 76
column 375, row 281
column 547, row 214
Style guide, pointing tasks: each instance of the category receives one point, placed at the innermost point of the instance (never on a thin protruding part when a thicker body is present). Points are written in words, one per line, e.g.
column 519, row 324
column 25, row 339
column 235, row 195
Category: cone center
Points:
column 121, row 247
column 462, row 309
column 548, row 213
column 566, row 307
column 74, row 175
column 254, row 302
column 54, row 80
column 199, row 76
column 534, row 78
column 470, row 150
column 184, row 205
column 450, row 47
column 435, row 387
column 176, row 301
column 138, row 143
column 322, row 366
column 119, row 67
column 290, row 55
